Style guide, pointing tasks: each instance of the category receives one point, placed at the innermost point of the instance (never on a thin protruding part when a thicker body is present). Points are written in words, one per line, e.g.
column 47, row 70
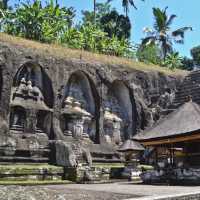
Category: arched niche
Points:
column 121, row 109
column 81, row 90
column 32, row 71
column 32, row 90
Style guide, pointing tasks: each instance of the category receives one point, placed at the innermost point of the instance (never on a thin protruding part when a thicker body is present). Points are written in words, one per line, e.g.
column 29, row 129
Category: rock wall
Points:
column 133, row 99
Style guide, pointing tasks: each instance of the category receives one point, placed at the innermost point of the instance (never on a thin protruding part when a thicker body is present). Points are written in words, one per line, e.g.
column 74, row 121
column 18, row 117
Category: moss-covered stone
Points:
column 30, row 172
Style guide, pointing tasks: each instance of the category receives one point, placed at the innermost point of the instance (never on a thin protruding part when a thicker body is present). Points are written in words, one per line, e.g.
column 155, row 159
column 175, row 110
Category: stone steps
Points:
column 189, row 87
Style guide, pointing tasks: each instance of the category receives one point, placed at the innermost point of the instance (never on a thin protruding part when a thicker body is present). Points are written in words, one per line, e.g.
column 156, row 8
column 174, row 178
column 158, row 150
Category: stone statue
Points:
column 112, row 126
column 78, row 119
column 78, row 128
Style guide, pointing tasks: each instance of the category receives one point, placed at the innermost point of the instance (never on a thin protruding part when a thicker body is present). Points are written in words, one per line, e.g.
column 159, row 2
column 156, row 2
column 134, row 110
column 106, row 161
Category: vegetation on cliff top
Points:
column 66, row 53
column 102, row 31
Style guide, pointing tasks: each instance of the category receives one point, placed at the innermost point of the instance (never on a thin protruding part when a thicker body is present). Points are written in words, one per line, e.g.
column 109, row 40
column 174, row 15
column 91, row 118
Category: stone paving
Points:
column 134, row 189
column 112, row 191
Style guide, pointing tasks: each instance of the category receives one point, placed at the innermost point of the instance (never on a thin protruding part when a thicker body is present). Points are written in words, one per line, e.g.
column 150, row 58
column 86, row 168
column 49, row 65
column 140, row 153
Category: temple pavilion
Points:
column 175, row 139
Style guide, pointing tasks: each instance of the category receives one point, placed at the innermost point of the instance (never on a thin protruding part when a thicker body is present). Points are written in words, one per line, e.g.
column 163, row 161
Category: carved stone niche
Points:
column 75, row 119
column 79, row 107
column 112, row 127
column 119, row 114
column 28, row 109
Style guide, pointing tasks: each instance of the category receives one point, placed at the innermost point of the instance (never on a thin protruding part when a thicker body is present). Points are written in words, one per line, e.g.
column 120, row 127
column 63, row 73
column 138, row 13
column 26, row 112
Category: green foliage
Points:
column 173, row 61
column 109, row 21
column 52, row 24
column 92, row 38
column 149, row 54
column 187, row 64
column 39, row 23
column 195, row 52
column 116, row 25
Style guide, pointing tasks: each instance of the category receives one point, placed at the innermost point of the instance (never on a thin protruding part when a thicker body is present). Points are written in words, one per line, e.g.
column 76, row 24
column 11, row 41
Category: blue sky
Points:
column 187, row 11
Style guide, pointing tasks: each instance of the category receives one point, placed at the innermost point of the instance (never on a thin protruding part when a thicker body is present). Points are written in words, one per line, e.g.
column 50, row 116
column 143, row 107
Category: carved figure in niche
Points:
column 112, row 126
column 78, row 127
column 77, row 119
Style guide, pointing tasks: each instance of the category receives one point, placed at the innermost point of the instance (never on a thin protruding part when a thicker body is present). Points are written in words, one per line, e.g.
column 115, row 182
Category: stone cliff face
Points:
column 144, row 90
column 106, row 103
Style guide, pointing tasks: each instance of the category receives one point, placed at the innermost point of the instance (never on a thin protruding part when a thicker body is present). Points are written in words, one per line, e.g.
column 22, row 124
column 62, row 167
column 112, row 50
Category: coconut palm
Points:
column 126, row 4
column 162, row 34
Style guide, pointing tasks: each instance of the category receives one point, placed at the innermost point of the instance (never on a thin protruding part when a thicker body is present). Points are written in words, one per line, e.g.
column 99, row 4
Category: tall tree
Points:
column 162, row 34
column 115, row 24
column 126, row 4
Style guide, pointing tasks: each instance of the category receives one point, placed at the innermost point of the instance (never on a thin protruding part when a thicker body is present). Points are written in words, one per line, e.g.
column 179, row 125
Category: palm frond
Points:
column 160, row 19
column 132, row 3
column 170, row 20
column 181, row 31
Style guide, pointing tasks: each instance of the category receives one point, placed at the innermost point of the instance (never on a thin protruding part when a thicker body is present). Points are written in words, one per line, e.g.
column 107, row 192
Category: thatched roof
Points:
column 184, row 120
column 131, row 145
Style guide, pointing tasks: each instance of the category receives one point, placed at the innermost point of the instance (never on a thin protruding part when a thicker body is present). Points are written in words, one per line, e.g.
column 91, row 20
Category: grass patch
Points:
column 33, row 182
column 66, row 53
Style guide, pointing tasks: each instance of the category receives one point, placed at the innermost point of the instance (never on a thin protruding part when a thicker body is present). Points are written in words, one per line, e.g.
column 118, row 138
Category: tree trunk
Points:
column 94, row 12
column 5, row 4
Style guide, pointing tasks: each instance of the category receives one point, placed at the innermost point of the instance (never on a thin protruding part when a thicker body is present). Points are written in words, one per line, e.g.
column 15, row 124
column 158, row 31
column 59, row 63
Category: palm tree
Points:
column 126, row 4
column 162, row 34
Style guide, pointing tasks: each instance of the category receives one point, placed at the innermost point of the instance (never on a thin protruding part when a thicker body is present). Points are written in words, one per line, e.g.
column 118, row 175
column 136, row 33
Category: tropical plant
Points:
column 35, row 22
column 162, row 34
column 149, row 54
column 126, row 4
column 172, row 61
